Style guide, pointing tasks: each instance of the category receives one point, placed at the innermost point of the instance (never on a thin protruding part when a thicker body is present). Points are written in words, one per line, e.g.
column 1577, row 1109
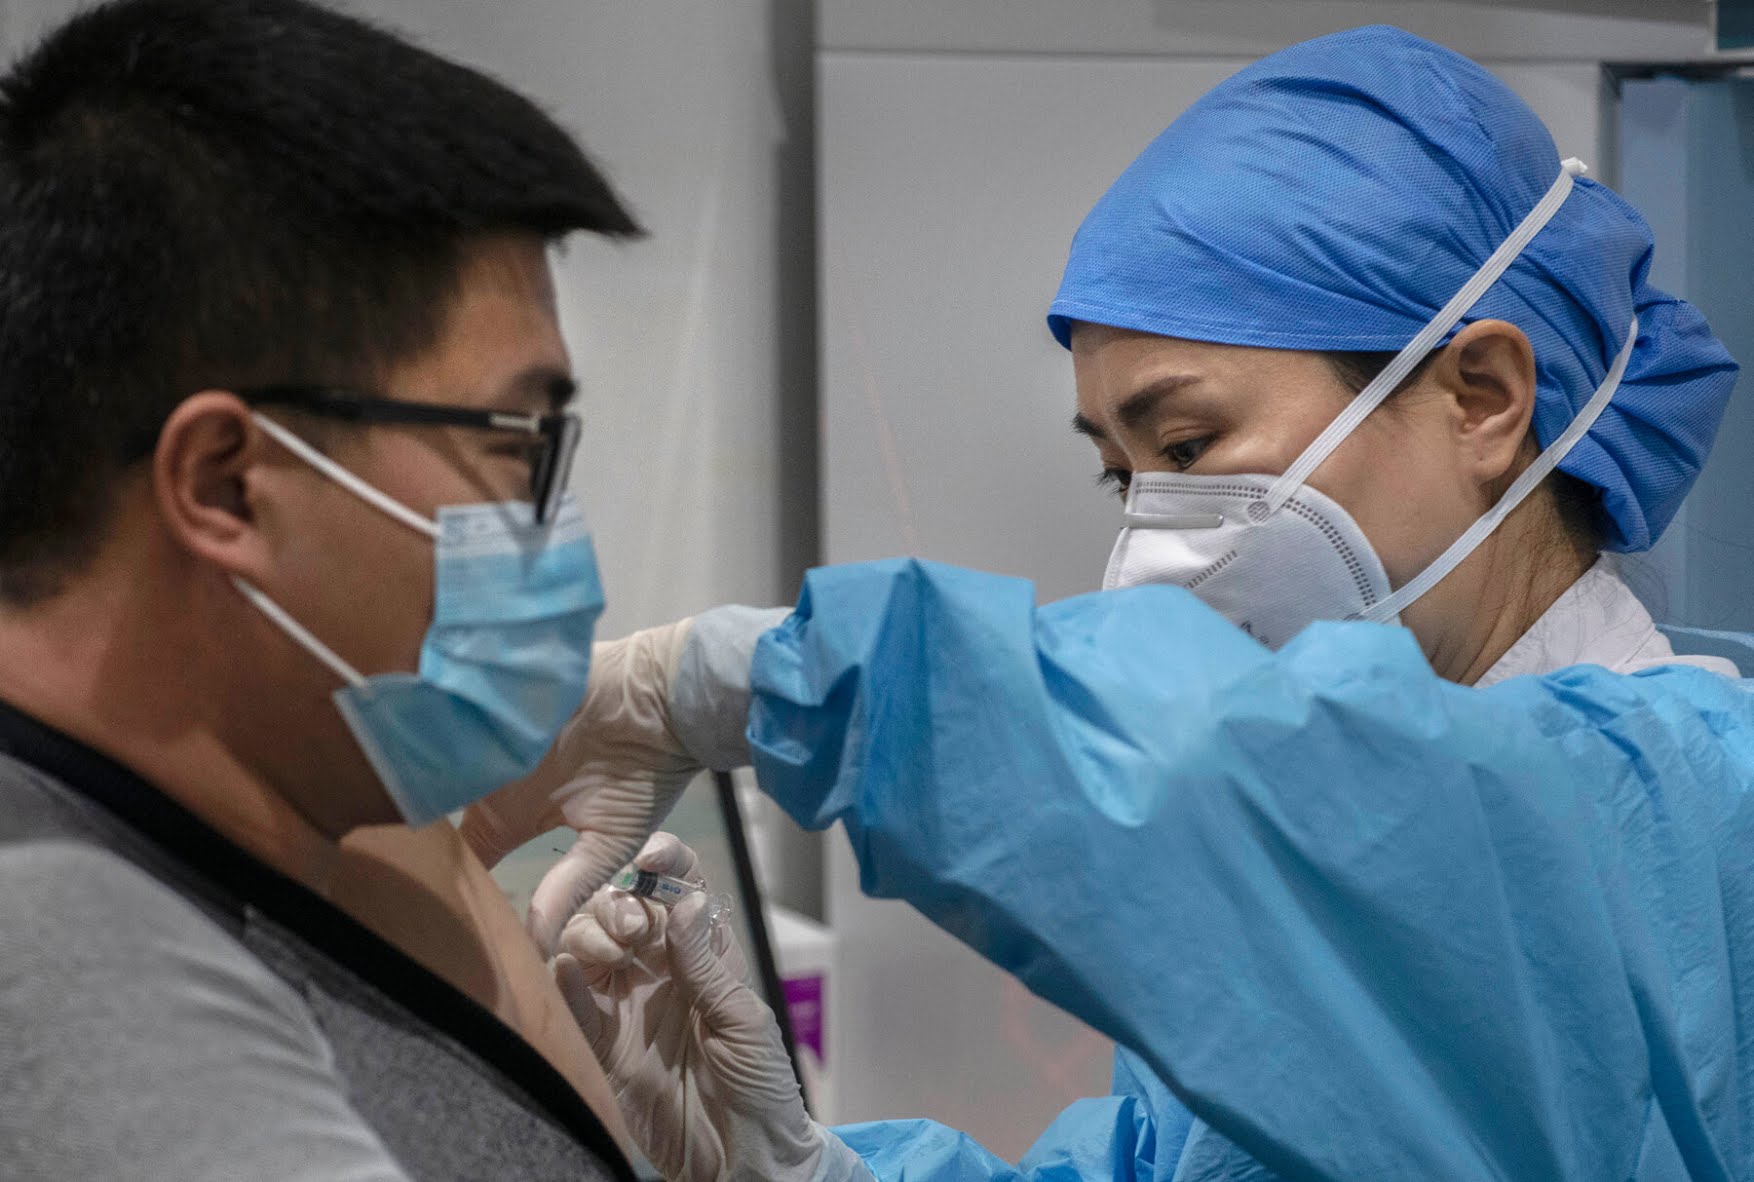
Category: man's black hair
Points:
column 202, row 194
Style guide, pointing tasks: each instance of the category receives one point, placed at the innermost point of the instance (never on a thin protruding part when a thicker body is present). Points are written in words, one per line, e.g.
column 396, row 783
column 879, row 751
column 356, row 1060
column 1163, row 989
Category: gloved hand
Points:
column 694, row 1057
column 662, row 704
column 613, row 775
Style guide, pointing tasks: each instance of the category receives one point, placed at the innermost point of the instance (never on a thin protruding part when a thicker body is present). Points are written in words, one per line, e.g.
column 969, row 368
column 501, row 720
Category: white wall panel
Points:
column 952, row 186
column 1555, row 30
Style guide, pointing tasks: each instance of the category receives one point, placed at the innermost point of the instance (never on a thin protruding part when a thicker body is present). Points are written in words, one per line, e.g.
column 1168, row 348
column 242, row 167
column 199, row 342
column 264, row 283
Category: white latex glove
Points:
column 613, row 775
column 693, row 1055
column 662, row 704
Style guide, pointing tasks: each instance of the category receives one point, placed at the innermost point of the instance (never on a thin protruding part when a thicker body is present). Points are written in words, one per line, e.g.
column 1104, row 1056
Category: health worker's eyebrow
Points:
column 1084, row 426
column 1139, row 406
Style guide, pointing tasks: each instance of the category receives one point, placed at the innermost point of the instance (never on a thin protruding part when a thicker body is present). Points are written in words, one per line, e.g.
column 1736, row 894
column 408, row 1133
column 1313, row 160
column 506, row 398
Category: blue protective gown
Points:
column 1399, row 928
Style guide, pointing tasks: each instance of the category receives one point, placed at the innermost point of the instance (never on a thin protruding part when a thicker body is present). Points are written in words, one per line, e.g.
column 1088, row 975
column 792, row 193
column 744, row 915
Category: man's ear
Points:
column 1488, row 370
column 206, row 473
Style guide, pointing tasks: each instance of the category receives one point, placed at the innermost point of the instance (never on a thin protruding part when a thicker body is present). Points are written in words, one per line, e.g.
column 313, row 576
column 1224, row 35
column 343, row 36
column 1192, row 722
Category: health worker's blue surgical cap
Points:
column 1335, row 195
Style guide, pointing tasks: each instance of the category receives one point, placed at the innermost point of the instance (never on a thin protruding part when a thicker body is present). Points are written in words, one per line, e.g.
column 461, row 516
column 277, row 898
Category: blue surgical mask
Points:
column 505, row 659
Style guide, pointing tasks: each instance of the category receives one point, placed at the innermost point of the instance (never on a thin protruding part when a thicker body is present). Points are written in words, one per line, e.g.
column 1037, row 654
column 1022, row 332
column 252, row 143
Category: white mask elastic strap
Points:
column 299, row 633
column 1408, row 358
column 1532, row 476
column 344, row 478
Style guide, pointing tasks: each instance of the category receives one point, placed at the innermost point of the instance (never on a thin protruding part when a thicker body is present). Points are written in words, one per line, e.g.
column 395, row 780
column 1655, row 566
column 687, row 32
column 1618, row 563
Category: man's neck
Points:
column 82, row 663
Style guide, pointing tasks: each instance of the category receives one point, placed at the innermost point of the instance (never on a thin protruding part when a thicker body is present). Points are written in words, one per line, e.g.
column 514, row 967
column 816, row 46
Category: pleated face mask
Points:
column 1272, row 554
column 503, row 664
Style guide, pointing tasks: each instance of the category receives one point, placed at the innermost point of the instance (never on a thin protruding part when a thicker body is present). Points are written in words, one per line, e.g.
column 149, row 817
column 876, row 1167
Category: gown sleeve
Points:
column 1133, row 1135
column 1363, row 922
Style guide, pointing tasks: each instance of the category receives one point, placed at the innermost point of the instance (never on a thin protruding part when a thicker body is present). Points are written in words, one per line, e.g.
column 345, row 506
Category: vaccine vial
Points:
column 669, row 891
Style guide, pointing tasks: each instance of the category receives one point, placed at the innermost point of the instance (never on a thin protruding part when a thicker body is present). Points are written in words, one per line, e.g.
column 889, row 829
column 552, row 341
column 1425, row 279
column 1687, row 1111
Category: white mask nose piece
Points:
column 1173, row 520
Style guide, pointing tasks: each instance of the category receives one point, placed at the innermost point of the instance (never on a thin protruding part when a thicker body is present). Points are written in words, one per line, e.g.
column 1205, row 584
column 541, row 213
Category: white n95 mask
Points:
column 1272, row 554
column 1266, row 572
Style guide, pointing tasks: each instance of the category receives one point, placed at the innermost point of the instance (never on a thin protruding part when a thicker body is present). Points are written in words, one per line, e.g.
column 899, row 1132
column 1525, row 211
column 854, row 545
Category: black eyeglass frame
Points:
column 557, row 433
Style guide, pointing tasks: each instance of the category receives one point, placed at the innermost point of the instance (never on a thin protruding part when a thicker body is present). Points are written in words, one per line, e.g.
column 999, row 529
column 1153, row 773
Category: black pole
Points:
column 749, row 889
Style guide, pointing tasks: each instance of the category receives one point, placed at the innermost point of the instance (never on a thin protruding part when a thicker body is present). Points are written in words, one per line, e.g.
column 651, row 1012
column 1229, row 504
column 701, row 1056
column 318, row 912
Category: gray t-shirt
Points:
column 171, row 1008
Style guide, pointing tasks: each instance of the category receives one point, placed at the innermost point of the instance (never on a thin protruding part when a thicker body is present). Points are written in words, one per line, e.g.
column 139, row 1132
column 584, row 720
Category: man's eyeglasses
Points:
column 554, row 438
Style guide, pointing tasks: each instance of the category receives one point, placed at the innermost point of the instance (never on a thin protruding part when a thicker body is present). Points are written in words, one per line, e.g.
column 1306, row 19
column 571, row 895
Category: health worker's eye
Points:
column 1116, row 480
column 1187, row 453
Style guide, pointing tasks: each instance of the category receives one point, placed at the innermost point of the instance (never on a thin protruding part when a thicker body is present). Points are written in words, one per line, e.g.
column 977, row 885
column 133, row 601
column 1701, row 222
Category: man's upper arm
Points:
column 138, row 1040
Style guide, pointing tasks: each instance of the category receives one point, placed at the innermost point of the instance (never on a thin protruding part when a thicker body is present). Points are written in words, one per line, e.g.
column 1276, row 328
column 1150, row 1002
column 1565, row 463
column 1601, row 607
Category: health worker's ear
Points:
column 209, row 472
column 1487, row 372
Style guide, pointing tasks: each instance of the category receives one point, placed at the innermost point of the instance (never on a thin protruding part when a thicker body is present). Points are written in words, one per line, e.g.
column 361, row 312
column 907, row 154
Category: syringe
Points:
column 669, row 890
